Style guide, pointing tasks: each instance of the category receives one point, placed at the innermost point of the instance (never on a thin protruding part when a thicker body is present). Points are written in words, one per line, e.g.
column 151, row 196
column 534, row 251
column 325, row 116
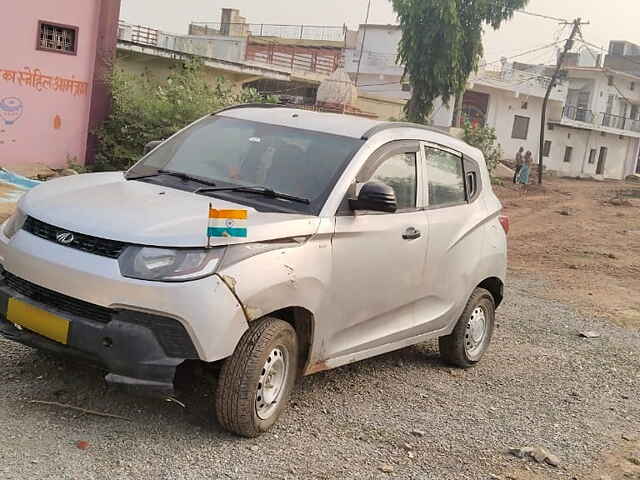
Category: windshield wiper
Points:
column 267, row 192
column 183, row 176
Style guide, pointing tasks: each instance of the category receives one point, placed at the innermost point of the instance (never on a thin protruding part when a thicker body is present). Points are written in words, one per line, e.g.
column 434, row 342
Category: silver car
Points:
column 278, row 242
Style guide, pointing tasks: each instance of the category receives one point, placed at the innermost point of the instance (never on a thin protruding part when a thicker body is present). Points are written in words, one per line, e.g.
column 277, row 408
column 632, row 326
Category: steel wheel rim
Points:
column 475, row 333
column 272, row 382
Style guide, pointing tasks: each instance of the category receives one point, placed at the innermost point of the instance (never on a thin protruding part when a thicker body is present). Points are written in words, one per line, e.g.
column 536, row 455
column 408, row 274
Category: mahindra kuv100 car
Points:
column 279, row 242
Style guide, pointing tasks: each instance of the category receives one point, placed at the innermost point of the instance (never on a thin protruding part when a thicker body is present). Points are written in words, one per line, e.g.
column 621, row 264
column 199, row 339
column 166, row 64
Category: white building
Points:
column 598, row 132
column 370, row 60
column 510, row 101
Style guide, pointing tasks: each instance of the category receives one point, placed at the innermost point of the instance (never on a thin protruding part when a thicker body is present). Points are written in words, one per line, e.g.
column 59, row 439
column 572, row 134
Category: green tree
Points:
column 442, row 45
column 146, row 108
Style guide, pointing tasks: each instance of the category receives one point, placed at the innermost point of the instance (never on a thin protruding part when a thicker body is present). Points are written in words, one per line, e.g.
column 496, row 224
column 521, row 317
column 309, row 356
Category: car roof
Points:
column 332, row 123
column 344, row 125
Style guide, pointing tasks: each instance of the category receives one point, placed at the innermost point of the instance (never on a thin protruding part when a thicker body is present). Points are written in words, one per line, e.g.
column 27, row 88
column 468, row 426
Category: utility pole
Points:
column 567, row 46
column 364, row 36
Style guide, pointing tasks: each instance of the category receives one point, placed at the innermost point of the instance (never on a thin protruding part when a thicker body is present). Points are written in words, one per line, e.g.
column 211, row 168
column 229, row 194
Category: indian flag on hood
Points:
column 227, row 223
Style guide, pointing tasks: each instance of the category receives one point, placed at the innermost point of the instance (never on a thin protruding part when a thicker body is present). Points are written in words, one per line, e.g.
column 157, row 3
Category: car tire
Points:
column 255, row 382
column 472, row 334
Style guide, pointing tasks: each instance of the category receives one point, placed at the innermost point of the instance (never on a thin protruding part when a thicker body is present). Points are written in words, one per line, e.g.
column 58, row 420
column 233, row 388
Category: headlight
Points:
column 169, row 265
column 14, row 223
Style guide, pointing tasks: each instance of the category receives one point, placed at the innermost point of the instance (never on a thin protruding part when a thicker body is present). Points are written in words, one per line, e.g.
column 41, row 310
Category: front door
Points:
column 583, row 106
column 602, row 160
column 378, row 258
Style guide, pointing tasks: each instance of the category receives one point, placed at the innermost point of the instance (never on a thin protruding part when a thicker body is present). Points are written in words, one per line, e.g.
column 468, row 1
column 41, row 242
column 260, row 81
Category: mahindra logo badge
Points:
column 65, row 238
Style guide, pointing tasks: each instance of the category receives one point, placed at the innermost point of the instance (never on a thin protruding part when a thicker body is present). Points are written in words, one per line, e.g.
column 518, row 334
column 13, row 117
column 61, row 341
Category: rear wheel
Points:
column 255, row 382
column 471, row 337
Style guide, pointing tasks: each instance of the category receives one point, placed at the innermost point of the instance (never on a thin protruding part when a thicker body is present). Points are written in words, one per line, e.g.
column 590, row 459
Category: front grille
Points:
column 86, row 243
column 57, row 300
column 170, row 333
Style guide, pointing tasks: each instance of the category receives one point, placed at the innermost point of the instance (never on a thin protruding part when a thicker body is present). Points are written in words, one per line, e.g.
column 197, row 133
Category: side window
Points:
column 399, row 172
column 445, row 177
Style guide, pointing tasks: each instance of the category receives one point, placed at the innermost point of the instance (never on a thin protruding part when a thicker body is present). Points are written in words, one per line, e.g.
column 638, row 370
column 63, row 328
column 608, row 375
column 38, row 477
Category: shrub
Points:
column 145, row 108
column 484, row 139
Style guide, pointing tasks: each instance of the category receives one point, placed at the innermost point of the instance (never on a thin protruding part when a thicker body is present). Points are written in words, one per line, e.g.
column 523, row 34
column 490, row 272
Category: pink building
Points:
column 53, row 56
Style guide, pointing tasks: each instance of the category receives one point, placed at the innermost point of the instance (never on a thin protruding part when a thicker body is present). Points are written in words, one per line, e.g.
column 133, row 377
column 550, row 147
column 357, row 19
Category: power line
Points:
column 610, row 79
column 483, row 79
column 625, row 58
column 543, row 123
column 559, row 33
column 546, row 17
column 398, row 82
column 523, row 53
column 523, row 81
column 535, row 50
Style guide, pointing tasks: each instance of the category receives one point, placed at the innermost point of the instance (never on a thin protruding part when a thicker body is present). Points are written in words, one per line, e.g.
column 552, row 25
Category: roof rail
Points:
column 249, row 105
column 389, row 125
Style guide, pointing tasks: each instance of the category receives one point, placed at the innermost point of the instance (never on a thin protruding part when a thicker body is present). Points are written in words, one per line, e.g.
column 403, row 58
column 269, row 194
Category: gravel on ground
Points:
column 400, row 415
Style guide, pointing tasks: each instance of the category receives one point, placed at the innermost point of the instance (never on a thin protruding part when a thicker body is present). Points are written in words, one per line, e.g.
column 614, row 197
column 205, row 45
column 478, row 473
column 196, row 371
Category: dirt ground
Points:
column 583, row 237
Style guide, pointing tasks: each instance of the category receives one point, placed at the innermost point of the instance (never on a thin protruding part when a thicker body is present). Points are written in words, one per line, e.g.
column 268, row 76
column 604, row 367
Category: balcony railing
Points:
column 138, row 34
column 619, row 122
column 299, row 32
column 322, row 61
column 578, row 114
column 608, row 120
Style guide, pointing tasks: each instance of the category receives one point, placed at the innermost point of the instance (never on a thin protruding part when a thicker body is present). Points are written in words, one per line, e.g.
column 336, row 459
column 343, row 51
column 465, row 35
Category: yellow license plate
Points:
column 38, row 321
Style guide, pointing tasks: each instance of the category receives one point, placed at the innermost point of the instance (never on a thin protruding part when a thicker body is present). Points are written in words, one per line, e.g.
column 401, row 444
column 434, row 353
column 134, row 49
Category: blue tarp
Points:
column 21, row 185
column 17, row 180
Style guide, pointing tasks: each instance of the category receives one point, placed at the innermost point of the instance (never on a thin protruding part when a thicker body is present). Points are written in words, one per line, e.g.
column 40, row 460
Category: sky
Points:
column 609, row 19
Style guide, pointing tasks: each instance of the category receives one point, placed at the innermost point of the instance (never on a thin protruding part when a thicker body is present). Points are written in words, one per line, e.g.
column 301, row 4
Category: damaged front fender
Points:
column 267, row 277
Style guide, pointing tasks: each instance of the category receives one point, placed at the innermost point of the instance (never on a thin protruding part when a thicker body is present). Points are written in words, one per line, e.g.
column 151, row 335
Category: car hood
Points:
column 106, row 205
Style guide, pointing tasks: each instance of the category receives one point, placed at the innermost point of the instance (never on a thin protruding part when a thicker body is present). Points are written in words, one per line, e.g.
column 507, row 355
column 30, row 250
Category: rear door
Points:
column 456, row 217
column 378, row 258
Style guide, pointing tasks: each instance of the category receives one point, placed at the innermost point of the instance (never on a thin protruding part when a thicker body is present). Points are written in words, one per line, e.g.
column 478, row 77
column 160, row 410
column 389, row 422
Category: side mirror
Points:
column 375, row 197
column 151, row 145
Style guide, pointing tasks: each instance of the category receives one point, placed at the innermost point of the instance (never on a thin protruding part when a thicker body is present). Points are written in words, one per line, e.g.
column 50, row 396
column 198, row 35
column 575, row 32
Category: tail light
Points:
column 504, row 221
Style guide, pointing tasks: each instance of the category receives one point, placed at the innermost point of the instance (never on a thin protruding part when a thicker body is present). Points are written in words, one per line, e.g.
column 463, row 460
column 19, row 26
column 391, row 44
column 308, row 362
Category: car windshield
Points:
column 232, row 152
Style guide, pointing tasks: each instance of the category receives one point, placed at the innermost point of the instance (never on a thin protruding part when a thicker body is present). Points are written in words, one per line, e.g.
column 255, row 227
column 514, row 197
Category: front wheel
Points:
column 471, row 336
column 255, row 382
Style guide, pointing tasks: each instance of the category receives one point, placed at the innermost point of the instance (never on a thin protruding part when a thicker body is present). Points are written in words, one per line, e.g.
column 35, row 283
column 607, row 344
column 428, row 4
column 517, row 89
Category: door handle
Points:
column 411, row 234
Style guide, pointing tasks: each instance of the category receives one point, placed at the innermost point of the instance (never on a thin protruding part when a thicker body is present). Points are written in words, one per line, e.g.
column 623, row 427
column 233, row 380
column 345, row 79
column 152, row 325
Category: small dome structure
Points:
column 337, row 89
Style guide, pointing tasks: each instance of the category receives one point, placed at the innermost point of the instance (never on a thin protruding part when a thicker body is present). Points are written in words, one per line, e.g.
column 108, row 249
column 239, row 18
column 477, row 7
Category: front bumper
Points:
column 127, row 346
column 206, row 311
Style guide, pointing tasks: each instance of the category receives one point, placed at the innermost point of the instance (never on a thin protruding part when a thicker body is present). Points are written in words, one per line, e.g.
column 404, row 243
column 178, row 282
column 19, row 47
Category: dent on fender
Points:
column 292, row 275
column 253, row 313
column 231, row 282
column 241, row 253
